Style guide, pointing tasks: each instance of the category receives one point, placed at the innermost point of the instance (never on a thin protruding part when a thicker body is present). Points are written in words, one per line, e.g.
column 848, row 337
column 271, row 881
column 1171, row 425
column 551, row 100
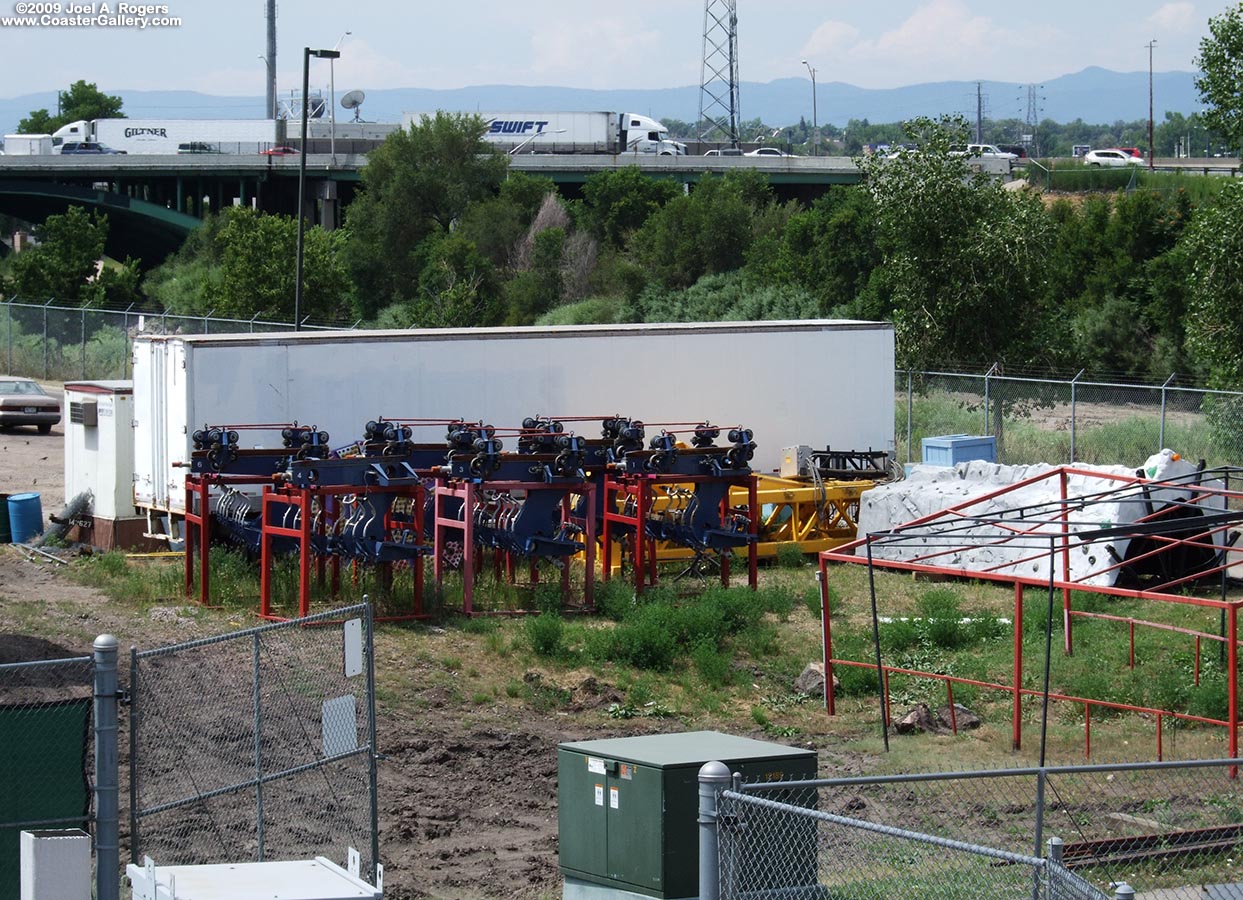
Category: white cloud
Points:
column 940, row 40
column 595, row 51
column 830, row 39
column 1175, row 17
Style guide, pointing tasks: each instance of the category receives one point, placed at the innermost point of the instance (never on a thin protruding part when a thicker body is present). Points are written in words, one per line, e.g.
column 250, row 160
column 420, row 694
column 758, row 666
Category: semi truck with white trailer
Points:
column 169, row 136
column 28, row 145
column 823, row 383
column 573, row 132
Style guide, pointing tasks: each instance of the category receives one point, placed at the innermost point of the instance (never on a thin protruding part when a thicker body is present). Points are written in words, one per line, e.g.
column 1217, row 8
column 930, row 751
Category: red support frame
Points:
column 303, row 500
column 198, row 525
column 472, row 556
column 1066, row 583
column 645, row 556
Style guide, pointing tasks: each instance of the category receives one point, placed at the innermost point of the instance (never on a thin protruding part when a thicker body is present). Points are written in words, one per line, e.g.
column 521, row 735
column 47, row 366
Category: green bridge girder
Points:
column 138, row 228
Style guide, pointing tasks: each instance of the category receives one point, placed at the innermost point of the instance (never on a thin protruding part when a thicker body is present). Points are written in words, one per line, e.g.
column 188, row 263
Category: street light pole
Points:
column 1151, row 149
column 332, row 98
column 815, row 123
column 307, row 53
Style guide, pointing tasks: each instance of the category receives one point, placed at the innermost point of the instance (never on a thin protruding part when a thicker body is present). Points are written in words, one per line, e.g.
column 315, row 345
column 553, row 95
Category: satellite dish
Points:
column 354, row 100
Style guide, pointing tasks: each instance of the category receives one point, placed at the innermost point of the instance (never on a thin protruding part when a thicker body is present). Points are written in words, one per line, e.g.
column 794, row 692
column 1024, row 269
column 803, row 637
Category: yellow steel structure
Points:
column 810, row 514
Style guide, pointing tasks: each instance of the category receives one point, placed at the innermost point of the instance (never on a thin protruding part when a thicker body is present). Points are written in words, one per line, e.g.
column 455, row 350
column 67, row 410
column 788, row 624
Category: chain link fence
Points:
column 1044, row 420
column 45, row 733
column 61, row 343
column 256, row 745
column 1155, row 826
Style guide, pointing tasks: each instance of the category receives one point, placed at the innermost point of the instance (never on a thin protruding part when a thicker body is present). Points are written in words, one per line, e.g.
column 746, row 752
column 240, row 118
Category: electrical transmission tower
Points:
column 1032, row 119
column 718, row 75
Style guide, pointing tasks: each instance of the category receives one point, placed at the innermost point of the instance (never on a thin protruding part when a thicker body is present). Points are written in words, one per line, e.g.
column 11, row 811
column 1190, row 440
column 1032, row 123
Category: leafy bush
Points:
column 644, row 643
column 898, row 634
column 712, row 664
column 941, row 615
column 791, row 556
column 856, row 680
column 545, row 632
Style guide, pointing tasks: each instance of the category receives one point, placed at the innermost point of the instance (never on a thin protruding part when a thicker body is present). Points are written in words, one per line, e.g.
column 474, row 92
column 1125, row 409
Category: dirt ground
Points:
column 468, row 795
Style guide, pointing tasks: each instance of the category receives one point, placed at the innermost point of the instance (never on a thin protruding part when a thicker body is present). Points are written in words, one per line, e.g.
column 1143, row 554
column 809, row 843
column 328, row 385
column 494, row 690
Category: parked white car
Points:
column 989, row 150
column 1112, row 157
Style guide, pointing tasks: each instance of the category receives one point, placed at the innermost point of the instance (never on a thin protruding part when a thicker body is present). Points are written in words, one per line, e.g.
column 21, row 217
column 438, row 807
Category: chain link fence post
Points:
column 1161, row 434
column 46, row 362
column 910, row 407
column 1073, row 386
column 107, row 831
column 713, row 777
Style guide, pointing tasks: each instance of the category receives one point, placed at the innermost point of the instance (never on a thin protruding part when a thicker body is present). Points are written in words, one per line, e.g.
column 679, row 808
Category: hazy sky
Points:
column 593, row 44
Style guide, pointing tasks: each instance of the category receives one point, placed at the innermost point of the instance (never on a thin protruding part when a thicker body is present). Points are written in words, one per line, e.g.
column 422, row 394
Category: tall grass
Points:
column 1036, row 435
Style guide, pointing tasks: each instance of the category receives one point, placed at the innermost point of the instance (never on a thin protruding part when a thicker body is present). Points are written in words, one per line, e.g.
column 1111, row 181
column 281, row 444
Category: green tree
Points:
column 963, row 257
column 81, row 101
column 537, row 289
column 420, row 182
column 65, row 264
column 458, row 286
column 496, row 225
column 1221, row 71
column 705, row 232
column 617, row 202
column 257, row 256
column 1214, row 244
column 241, row 264
column 829, row 250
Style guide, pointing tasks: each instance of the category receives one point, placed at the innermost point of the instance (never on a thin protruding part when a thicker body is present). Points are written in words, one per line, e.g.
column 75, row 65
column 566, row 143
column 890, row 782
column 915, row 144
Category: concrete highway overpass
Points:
column 154, row 201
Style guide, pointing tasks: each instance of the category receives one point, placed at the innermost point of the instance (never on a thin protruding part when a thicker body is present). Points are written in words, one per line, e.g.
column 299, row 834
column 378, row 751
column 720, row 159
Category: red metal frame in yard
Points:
column 619, row 486
column 1054, row 527
column 472, row 554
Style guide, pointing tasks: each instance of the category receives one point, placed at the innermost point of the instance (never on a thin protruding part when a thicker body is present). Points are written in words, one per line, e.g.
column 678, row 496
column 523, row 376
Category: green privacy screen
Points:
column 43, row 775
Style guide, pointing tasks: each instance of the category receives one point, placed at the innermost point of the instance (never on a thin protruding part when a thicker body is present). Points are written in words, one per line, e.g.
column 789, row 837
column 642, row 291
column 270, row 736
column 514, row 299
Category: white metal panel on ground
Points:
column 818, row 382
column 311, row 879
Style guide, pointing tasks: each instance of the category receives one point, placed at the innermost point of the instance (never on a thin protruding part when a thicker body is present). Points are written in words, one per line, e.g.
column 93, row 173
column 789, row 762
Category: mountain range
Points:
column 1095, row 95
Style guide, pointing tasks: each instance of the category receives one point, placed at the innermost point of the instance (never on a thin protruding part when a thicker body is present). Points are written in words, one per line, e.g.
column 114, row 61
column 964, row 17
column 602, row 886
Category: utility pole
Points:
column 270, row 101
column 979, row 112
column 1151, row 149
column 815, row 117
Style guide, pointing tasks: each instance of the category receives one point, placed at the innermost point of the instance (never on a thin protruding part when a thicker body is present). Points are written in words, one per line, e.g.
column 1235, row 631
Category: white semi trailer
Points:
column 816, row 382
column 573, row 132
column 28, row 145
column 170, row 136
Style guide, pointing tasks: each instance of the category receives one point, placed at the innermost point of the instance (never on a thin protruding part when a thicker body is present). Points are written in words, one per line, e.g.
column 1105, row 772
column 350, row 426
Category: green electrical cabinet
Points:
column 627, row 807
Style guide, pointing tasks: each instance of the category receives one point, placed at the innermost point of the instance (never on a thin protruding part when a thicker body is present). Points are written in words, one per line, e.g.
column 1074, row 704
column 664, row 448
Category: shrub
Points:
column 644, row 644
column 898, row 634
column 545, row 632
column 777, row 600
column 615, row 598
column 941, row 613
column 790, row 556
column 712, row 664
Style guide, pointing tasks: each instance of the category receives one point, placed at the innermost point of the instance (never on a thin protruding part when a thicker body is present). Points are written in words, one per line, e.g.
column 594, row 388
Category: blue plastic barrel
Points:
column 25, row 516
column 6, row 532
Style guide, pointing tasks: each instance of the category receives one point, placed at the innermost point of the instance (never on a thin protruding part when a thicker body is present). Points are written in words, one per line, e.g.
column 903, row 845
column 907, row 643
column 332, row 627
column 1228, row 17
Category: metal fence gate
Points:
column 1157, row 825
column 846, row 858
column 257, row 745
